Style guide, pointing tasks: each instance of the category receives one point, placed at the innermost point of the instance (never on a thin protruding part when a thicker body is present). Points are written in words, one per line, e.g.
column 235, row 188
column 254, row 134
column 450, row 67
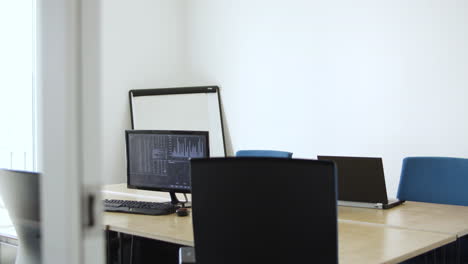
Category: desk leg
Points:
column 106, row 235
column 444, row 255
column 113, row 247
column 121, row 250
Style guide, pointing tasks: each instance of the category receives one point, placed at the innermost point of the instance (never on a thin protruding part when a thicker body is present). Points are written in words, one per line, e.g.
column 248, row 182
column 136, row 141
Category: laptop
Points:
column 361, row 182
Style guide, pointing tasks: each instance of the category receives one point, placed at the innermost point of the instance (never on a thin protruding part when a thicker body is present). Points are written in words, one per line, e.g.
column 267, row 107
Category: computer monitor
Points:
column 19, row 191
column 159, row 160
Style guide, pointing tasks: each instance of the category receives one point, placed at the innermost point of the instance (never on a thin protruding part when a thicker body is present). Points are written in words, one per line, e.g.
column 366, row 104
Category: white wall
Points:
column 143, row 46
column 370, row 78
column 16, row 85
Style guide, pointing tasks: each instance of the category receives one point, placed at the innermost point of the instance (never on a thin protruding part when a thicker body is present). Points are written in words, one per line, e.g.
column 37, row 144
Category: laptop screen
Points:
column 360, row 179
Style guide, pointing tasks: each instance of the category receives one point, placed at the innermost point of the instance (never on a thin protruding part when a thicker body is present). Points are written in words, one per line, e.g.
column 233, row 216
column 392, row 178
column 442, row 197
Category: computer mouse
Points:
column 182, row 211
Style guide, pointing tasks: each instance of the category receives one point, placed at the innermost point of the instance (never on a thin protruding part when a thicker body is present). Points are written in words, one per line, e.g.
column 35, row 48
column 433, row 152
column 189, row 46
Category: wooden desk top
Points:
column 358, row 242
column 371, row 243
column 169, row 228
column 442, row 218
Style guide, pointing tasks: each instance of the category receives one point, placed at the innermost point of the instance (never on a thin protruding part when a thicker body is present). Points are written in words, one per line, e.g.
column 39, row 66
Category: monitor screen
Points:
column 160, row 160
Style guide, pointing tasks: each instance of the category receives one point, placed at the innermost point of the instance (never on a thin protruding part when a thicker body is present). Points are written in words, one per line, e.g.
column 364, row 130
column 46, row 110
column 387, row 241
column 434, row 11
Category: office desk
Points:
column 168, row 228
column 369, row 243
column 450, row 219
column 358, row 242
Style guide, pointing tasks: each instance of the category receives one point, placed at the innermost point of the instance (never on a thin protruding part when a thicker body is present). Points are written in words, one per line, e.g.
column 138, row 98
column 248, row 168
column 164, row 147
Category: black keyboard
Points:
column 139, row 207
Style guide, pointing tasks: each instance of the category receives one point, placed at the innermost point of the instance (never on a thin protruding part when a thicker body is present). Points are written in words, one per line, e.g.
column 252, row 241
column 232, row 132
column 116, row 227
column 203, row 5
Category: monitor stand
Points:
column 175, row 201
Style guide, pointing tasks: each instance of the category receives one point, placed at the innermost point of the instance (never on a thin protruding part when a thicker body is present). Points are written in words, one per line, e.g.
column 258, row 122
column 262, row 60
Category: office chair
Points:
column 263, row 210
column 264, row 153
column 436, row 180
column 20, row 194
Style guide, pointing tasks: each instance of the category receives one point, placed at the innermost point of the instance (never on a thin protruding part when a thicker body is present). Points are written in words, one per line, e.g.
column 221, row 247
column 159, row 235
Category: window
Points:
column 17, row 96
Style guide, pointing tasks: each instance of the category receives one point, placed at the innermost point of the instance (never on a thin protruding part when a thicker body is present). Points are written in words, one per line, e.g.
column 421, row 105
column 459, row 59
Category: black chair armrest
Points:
column 186, row 255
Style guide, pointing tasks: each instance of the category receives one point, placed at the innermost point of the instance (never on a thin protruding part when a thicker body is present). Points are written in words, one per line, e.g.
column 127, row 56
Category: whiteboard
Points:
column 185, row 108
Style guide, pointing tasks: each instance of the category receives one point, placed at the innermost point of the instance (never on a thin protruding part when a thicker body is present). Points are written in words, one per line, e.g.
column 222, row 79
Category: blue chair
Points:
column 434, row 180
column 264, row 153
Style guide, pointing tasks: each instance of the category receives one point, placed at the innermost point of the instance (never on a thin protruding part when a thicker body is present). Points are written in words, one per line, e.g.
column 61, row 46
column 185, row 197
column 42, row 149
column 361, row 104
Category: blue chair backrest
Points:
column 264, row 153
column 434, row 180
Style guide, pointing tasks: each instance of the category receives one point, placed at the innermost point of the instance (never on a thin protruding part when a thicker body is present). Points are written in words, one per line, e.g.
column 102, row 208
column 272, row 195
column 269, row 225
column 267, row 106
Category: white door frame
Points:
column 68, row 128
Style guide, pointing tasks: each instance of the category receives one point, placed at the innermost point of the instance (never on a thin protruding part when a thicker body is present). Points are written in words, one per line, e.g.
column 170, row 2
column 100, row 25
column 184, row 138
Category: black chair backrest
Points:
column 264, row 210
